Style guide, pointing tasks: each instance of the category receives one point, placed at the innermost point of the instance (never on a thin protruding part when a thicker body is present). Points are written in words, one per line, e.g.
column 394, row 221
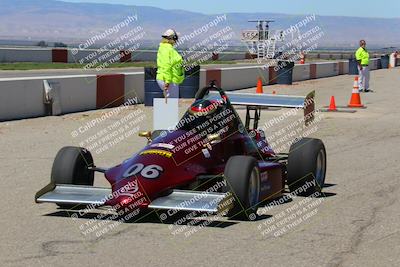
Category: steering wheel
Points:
column 204, row 91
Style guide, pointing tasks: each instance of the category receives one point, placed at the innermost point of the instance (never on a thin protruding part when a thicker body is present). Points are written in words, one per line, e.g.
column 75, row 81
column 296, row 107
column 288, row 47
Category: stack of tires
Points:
column 385, row 61
column 151, row 88
column 191, row 84
column 353, row 66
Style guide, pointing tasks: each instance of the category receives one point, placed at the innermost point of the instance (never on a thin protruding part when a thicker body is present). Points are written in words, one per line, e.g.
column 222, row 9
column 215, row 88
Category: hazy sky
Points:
column 358, row 8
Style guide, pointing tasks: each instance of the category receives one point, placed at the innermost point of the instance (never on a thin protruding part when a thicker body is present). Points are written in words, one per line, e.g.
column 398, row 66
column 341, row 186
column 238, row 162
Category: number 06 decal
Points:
column 149, row 171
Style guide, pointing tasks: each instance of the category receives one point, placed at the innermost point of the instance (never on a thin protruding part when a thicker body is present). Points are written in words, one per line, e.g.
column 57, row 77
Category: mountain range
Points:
column 59, row 21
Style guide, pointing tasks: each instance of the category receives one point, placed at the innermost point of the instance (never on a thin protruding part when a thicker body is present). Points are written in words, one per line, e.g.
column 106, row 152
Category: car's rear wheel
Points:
column 306, row 167
column 71, row 166
column 243, row 181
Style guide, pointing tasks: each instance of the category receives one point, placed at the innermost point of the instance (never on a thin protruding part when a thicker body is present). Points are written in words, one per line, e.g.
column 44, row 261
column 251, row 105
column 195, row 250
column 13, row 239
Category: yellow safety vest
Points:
column 169, row 64
column 363, row 56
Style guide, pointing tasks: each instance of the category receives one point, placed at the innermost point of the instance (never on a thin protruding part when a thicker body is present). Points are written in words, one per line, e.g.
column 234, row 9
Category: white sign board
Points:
column 250, row 35
column 166, row 115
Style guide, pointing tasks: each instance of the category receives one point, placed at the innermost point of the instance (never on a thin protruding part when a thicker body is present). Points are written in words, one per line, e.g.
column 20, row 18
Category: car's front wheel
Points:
column 71, row 166
column 306, row 167
column 242, row 178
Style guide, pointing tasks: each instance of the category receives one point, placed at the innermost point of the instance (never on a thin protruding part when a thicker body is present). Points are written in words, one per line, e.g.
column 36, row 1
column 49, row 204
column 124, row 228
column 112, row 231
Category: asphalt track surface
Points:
column 355, row 223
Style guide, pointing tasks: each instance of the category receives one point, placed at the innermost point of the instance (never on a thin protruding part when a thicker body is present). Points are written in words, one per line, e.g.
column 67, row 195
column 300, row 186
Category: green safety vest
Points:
column 169, row 64
column 363, row 56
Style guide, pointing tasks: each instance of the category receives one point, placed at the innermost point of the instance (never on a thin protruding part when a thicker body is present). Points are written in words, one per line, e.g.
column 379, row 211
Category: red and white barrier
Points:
column 24, row 97
column 72, row 55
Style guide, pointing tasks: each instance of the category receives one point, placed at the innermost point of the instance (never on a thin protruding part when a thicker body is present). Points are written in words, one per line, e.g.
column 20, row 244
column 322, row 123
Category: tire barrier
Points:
column 151, row 88
column 385, row 62
column 285, row 72
column 191, row 84
column 353, row 68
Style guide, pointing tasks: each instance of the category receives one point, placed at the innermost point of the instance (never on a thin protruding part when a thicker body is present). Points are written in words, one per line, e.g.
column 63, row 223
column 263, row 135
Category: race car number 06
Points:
column 150, row 171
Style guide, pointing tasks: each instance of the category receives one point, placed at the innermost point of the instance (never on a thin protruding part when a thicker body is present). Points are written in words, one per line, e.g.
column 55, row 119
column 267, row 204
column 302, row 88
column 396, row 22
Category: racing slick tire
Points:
column 71, row 166
column 306, row 167
column 242, row 178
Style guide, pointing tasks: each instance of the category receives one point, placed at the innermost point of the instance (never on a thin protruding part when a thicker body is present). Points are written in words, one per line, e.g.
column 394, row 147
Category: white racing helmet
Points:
column 170, row 34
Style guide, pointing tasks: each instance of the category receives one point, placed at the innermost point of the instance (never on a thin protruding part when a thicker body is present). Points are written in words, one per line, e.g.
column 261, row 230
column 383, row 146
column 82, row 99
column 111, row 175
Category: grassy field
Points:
column 41, row 66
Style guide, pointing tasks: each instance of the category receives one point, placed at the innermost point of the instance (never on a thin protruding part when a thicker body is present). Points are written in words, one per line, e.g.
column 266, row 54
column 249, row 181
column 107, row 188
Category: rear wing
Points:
column 266, row 100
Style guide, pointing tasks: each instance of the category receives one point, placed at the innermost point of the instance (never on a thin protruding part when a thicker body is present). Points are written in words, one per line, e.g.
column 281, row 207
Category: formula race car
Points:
column 211, row 162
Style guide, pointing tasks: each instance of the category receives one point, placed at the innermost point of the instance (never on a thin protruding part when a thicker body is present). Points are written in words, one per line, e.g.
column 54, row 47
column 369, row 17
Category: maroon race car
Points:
column 211, row 162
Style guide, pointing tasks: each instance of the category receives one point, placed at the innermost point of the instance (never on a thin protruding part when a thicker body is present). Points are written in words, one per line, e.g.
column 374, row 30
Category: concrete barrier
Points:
column 203, row 78
column 144, row 55
column 301, row 72
column 327, row 69
column 134, row 86
column 227, row 56
column 36, row 54
column 21, row 98
column 24, row 97
column 374, row 64
column 75, row 93
column 8, row 55
column 242, row 77
column 343, row 67
column 88, row 56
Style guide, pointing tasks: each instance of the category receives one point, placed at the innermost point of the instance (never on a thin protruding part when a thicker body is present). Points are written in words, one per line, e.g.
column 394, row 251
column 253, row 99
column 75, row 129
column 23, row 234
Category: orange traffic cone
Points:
column 355, row 101
column 332, row 105
column 259, row 86
column 302, row 58
column 333, row 108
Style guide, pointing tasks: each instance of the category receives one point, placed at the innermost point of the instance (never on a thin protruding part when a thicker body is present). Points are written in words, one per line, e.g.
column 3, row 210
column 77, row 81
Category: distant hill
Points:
column 73, row 22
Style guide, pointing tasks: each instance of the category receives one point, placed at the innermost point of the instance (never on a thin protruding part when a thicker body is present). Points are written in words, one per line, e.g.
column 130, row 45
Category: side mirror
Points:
column 146, row 134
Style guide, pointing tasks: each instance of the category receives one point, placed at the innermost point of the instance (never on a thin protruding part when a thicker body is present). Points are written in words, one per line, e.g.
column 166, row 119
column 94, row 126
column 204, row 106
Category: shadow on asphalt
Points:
column 149, row 217
column 184, row 218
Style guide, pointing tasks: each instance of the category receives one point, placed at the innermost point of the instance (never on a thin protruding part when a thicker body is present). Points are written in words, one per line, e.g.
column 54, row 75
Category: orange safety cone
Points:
column 333, row 108
column 302, row 58
column 355, row 101
column 332, row 105
column 259, row 86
